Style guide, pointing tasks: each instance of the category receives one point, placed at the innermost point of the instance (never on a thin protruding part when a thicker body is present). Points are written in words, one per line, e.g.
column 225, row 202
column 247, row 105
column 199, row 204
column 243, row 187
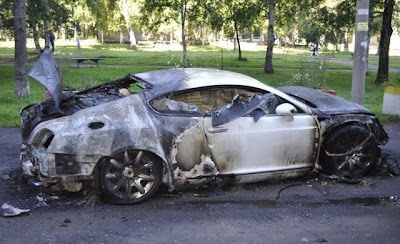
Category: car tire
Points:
column 129, row 177
column 343, row 140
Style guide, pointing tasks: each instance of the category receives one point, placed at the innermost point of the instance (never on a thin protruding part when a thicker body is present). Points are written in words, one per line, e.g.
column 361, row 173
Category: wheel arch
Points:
column 330, row 136
column 335, row 127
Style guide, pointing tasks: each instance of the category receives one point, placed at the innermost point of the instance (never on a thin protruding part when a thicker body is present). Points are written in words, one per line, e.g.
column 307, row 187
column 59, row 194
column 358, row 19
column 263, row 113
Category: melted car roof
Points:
column 182, row 79
column 166, row 81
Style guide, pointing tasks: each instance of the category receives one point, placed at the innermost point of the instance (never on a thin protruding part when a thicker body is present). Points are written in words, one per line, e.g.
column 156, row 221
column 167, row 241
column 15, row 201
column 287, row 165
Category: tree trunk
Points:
column 262, row 32
column 237, row 39
column 21, row 88
column 222, row 34
column 346, row 40
column 235, row 44
column 171, row 37
column 63, row 37
column 370, row 20
column 132, row 39
column 384, row 42
column 183, row 19
column 124, row 8
column 36, row 37
column 121, row 36
column 268, row 68
column 45, row 4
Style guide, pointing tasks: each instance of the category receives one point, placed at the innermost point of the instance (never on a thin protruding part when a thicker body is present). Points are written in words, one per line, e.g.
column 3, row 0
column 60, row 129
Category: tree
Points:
column 165, row 10
column 268, row 67
column 344, row 17
column 45, row 15
column 183, row 10
column 103, row 12
column 33, row 10
column 240, row 14
column 287, row 11
column 6, row 16
column 130, row 9
column 21, row 88
column 384, row 42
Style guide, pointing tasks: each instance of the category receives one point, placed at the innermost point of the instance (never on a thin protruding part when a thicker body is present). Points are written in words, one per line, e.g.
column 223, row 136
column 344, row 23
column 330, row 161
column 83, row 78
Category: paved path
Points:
column 371, row 67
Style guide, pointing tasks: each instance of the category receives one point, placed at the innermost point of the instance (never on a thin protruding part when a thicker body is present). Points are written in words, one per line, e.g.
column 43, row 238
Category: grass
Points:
column 394, row 61
column 120, row 61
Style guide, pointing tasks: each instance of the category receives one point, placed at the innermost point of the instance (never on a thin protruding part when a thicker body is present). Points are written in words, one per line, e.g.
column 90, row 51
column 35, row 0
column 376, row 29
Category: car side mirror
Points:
column 286, row 109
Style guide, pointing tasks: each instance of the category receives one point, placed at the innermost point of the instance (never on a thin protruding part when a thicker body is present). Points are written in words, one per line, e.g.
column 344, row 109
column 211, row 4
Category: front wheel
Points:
column 129, row 177
column 350, row 151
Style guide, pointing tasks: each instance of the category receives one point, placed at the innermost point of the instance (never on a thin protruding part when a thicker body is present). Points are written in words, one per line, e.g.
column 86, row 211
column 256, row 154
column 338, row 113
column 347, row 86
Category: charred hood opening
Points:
column 34, row 114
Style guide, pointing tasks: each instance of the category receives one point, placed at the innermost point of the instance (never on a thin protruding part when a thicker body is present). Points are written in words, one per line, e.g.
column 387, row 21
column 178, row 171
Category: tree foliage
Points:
column 239, row 15
column 6, row 15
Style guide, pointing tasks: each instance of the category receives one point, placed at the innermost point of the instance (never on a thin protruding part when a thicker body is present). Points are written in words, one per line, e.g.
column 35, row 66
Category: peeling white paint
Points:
column 178, row 139
column 207, row 167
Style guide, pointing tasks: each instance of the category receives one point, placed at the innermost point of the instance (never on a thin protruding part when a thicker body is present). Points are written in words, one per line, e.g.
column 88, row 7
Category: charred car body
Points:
column 191, row 126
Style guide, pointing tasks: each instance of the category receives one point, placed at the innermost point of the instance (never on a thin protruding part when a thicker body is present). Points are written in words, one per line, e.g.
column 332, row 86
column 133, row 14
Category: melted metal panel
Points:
column 128, row 124
column 324, row 102
column 46, row 71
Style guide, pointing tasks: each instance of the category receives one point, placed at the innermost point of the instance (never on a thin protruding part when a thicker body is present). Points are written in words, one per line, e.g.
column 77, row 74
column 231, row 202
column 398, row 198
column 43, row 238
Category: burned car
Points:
column 188, row 127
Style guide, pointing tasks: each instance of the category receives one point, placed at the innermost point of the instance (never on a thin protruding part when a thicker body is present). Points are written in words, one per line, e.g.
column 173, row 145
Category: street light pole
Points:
column 360, row 52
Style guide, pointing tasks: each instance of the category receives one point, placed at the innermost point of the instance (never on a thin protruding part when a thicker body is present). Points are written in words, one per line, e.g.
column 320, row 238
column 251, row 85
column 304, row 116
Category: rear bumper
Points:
column 55, row 169
column 38, row 161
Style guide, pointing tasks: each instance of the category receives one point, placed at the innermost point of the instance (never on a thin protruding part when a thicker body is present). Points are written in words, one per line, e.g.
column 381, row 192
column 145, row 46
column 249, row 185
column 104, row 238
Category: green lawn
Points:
column 120, row 61
column 199, row 56
column 394, row 61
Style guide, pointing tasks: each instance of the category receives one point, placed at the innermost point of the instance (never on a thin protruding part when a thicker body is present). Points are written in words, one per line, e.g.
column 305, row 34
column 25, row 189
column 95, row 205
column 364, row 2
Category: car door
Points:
column 250, row 143
column 189, row 153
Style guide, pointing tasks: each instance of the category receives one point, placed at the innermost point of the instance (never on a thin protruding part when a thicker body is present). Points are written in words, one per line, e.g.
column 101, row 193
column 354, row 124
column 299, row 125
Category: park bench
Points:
column 80, row 60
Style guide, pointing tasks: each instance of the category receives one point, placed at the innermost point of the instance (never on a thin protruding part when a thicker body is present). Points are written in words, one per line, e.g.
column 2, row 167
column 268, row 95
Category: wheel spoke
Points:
column 139, row 186
column 351, row 169
column 138, row 157
column 342, row 165
column 128, row 189
column 116, row 163
column 148, row 178
column 119, row 184
column 126, row 157
column 145, row 166
column 112, row 175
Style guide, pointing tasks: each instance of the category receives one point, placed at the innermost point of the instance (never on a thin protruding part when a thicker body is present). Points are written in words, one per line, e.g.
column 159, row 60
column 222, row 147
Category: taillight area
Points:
column 43, row 138
column 48, row 141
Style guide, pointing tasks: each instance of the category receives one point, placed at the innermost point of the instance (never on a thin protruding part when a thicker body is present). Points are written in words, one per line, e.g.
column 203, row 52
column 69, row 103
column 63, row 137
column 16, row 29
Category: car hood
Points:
column 324, row 102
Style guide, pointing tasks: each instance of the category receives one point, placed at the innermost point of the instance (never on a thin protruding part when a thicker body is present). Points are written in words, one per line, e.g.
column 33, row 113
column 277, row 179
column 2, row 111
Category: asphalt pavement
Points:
column 313, row 209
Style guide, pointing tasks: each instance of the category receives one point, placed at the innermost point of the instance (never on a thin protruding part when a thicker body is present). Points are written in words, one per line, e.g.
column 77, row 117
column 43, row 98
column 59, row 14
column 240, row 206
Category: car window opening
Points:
column 203, row 101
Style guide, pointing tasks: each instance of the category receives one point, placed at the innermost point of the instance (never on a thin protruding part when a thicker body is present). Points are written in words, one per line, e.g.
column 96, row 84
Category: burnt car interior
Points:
column 205, row 100
column 224, row 104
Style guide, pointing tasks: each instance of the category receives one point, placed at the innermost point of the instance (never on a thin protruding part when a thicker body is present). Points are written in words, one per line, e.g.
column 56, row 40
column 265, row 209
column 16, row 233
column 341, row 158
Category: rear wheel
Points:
column 350, row 151
column 130, row 177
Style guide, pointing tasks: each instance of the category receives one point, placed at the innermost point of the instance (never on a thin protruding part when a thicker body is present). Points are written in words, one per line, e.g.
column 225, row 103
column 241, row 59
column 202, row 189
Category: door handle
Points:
column 217, row 129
